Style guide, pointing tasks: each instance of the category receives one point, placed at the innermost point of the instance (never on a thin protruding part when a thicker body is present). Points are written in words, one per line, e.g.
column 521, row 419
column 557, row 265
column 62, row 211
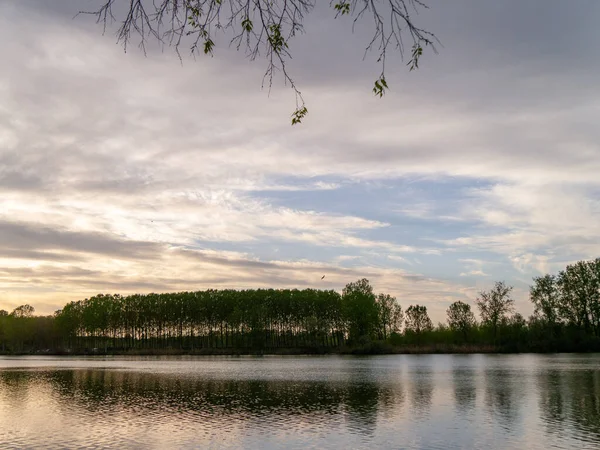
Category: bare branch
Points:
column 263, row 27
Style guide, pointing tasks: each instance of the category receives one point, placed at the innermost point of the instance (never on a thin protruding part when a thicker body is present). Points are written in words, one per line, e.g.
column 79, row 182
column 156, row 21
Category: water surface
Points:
column 388, row 402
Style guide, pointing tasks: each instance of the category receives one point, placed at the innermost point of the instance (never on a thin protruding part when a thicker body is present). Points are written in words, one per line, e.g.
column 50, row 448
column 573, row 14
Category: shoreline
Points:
column 357, row 351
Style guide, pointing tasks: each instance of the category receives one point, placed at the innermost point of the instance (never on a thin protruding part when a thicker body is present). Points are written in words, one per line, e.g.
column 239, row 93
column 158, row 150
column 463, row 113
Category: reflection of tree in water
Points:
column 551, row 401
column 391, row 400
column 361, row 402
column 585, row 403
column 500, row 397
column 261, row 403
column 421, row 392
column 570, row 403
column 465, row 390
column 252, row 397
column 365, row 398
column 11, row 386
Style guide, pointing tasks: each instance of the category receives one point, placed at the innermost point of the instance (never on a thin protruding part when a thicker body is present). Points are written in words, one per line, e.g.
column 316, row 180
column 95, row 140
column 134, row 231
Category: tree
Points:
column 594, row 268
column 495, row 305
column 265, row 28
column 417, row 320
column 3, row 322
column 305, row 319
column 516, row 332
column 579, row 290
column 23, row 311
column 390, row 315
column 360, row 309
column 544, row 295
column 397, row 319
column 460, row 318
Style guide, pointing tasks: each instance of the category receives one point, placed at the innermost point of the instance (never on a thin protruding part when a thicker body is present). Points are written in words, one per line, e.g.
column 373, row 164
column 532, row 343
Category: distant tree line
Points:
column 566, row 318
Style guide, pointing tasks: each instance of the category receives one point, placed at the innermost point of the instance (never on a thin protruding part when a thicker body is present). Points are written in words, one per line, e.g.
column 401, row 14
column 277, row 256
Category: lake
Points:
column 387, row 402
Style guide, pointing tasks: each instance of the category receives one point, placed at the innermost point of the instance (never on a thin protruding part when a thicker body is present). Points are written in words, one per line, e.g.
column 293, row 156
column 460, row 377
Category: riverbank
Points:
column 371, row 349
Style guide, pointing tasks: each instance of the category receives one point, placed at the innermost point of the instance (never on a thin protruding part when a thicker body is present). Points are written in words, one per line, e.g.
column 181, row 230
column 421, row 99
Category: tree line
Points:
column 566, row 318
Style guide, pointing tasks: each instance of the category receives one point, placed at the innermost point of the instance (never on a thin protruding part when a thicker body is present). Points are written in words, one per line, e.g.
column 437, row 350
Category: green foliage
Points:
column 544, row 296
column 495, row 305
column 275, row 38
column 21, row 332
column 461, row 319
column 417, row 321
column 194, row 15
column 299, row 114
column 23, row 311
column 208, row 46
column 395, row 339
column 342, row 8
column 417, row 52
column 360, row 309
column 380, row 86
column 390, row 315
column 571, row 299
column 578, row 287
column 263, row 318
column 566, row 319
column 247, row 25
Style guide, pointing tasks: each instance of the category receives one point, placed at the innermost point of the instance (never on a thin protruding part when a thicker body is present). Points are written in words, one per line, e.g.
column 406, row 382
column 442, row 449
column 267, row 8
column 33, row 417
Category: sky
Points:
column 124, row 172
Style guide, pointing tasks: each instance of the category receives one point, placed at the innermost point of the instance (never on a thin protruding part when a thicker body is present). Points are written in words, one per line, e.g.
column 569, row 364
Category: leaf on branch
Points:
column 265, row 28
column 417, row 52
column 342, row 8
column 299, row 114
column 194, row 16
column 275, row 38
column 380, row 87
column 208, row 46
column 247, row 25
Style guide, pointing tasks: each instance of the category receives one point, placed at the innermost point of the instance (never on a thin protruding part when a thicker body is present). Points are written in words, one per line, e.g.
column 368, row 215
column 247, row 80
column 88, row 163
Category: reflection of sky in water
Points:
column 286, row 402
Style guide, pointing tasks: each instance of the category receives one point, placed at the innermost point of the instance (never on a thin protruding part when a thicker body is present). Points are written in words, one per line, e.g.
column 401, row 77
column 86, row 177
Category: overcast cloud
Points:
column 124, row 173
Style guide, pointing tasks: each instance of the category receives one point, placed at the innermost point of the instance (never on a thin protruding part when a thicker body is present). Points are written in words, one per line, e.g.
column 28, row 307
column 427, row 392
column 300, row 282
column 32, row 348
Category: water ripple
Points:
column 382, row 402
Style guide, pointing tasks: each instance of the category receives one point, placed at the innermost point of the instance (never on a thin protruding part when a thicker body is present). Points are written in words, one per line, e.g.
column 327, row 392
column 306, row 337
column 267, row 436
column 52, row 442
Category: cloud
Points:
column 184, row 269
column 474, row 266
column 478, row 273
column 20, row 239
column 535, row 226
column 124, row 172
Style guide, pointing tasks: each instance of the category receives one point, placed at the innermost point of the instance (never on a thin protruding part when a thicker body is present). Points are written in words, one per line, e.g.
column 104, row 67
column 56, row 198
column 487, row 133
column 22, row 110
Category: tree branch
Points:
column 264, row 27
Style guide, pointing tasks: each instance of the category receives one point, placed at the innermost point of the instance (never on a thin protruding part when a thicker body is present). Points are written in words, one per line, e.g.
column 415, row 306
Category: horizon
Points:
column 124, row 173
